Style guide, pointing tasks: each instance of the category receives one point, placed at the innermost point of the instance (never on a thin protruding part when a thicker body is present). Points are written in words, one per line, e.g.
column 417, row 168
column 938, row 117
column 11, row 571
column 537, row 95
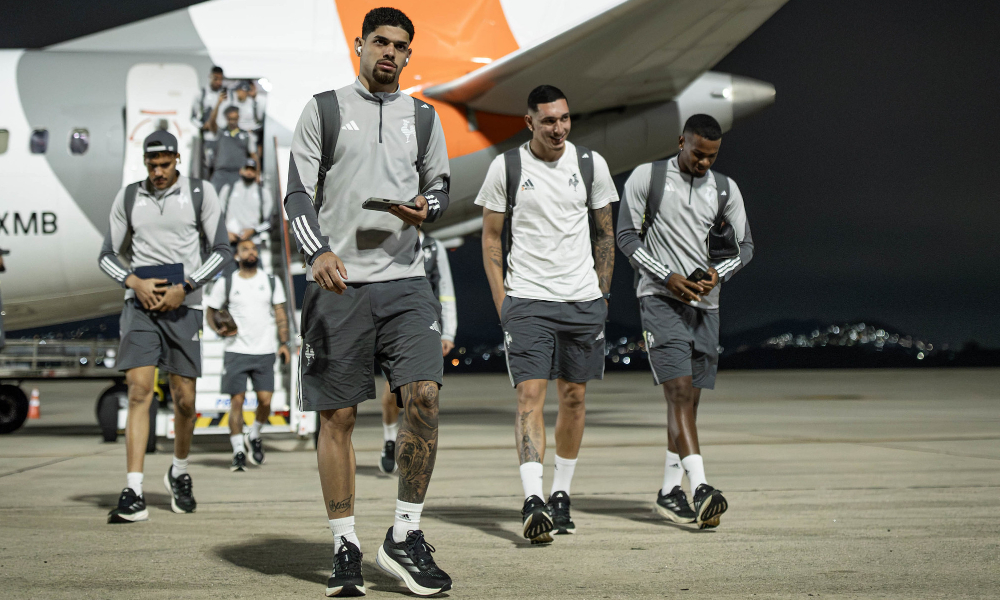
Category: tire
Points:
column 13, row 408
column 108, row 405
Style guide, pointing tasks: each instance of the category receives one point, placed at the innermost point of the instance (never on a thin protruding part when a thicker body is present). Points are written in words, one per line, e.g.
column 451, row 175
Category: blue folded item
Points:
column 174, row 273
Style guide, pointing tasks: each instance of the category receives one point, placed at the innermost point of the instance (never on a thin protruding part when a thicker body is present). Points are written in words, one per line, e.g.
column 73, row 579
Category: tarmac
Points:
column 841, row 484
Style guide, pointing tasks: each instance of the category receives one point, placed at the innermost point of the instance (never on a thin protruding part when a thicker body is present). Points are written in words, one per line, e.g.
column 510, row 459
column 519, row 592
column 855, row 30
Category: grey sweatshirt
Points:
column 376, row 157
column 677, row 241
column 246, row 206
column 164, row 232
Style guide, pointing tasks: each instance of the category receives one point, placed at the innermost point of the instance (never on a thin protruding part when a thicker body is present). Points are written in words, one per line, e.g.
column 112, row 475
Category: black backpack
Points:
column 512, row 162
column 329, row 119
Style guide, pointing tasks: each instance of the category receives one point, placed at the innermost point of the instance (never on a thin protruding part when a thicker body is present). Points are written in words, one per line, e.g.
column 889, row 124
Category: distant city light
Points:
column 265, row 84
column 454, row 362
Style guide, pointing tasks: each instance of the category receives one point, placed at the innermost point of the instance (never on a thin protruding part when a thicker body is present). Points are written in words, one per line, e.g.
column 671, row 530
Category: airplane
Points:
column 73, row 115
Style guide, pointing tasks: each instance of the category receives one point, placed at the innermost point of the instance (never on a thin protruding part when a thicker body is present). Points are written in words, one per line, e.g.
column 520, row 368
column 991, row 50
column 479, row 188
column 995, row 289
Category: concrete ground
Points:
column 841, row 484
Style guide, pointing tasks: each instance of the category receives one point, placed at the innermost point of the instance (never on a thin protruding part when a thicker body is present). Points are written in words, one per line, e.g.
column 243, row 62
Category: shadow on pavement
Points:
column 640, row 511
column 485, row 519
column 69, row 430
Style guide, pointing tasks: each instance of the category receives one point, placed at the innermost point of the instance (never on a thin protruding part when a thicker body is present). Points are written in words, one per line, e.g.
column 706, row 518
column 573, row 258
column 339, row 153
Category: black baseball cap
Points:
column 244, row 85
column 160, row 141
column 250, row 163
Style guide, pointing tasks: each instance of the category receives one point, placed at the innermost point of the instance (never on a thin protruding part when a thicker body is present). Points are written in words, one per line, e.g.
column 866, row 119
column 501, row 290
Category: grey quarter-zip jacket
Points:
column 165, row 231
column 677, row 240
column 376, row 157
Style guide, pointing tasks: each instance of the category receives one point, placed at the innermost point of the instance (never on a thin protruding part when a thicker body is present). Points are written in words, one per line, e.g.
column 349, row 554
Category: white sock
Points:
column 563, row 475
column 407, row 519
column 531, row 479
column 255, row 430
column 180, row 467
column 134, row 481
column 695, row 469
column 673, row 473
column 389, row 432
column 237, row 442
column 343, row 527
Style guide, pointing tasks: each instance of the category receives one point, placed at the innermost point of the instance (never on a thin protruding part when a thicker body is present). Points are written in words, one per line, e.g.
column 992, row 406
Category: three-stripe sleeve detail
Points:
column 116, row 272
column 206, row 269
column 307, row 239
column 650, row 263
column 727, row 266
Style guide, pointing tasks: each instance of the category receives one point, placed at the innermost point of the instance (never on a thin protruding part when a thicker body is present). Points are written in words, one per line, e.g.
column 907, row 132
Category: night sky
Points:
column 868, row 185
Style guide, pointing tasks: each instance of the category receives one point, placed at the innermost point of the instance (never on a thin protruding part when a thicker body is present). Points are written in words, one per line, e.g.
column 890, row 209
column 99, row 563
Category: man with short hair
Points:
column 159, row 225
column 671, row 213
column 231, row 150
column 438, row 273
column 251, row 111
column 553, row 301
column 247, row 205
column 256, row 302
column 202, row 111
column 367, row 295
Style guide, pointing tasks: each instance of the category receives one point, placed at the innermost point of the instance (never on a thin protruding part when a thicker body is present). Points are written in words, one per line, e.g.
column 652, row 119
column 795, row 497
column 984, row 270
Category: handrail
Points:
column 271, row 168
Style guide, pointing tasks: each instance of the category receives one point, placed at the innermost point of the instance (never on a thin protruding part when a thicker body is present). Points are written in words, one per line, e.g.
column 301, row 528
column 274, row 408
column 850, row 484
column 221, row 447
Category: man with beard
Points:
column 366, row 294
column 256, row 302
column 158, row 225
column 247, row 206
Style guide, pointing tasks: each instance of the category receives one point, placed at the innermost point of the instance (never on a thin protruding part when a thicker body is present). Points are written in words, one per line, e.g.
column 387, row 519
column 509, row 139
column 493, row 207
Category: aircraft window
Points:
column 39, row 141
column 4, row 136
column 79, row 141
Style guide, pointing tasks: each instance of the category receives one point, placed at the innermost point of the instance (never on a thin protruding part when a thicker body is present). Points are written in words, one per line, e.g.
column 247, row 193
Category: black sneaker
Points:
column 181, row 496
column 709, row 504
column 411, row 561
column 239, row 462
column 131, row 508
column 558, row 506
column 256, row 456
column 387, row 464
column 674, row 505
column 346, row 579
column 537, row 521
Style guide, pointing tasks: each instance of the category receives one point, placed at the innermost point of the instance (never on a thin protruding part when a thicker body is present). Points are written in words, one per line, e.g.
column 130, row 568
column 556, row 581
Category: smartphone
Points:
column 384, row 205
column 699, row 274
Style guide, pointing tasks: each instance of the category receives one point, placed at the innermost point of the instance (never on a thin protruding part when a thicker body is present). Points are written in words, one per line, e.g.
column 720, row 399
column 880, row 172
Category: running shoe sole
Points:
column 711, row 510
column 672, row 516
column 538, row 528
column 398, row 571
column 253, row 461
column 235, row 468
column 345, row 590
column 173, row 501
column 142, row 515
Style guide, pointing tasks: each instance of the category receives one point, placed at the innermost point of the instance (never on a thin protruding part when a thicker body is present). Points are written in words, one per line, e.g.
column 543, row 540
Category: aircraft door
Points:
column 159, row 96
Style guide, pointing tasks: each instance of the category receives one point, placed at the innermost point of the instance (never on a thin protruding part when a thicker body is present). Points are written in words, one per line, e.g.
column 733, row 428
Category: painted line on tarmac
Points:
column 53, row 462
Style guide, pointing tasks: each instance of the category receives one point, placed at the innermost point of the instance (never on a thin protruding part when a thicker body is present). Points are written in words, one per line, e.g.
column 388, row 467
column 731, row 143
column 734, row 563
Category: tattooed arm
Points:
column 493, row 254
column 416, row 442
column 604, row 247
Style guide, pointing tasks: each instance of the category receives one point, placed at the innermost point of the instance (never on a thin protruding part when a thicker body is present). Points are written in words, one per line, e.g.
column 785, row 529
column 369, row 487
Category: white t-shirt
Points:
column 251, row 304
column 551, row 257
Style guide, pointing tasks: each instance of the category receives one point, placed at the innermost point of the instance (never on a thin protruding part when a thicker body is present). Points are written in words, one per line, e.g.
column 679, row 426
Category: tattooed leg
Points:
column 416, row 442
column 529, row 425
column 335, row 454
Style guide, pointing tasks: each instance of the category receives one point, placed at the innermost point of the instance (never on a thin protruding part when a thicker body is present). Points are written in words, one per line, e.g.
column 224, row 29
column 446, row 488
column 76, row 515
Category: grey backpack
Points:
column 197, row 200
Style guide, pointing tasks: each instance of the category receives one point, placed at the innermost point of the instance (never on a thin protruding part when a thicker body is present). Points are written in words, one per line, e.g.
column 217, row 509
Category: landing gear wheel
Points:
column 13, row 408
column 108, row 406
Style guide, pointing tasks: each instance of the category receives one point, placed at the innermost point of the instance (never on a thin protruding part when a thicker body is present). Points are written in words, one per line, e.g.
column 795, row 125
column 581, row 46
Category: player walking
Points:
column 158, row 225
column 686, row 229
column 256, row 302
column 553, row 301
column 367, row 294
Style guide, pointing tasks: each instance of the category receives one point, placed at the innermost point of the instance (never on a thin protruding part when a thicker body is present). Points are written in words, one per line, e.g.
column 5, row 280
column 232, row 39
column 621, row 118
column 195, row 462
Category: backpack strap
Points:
column 329, row 122
column 722, row 192
column 197, row 201
column 585, row 160
column 657, row 181
column 512, row 162
column 229, row 286
column 270, row 279
column 423, row 115
column 131, row 190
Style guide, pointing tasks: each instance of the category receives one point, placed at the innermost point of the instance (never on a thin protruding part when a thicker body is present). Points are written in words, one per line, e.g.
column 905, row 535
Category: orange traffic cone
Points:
column 34, row 406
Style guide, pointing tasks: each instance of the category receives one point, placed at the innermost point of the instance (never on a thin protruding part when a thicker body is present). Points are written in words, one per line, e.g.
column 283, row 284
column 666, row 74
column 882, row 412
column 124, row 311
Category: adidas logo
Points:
column 405, row 517
column 196, row 190
column 723, row 193
column 435, row 326
column 528, row 186
column 352, row 126
column 424, row 106
column 140, row 202
column 599, row 337
column 585, row 156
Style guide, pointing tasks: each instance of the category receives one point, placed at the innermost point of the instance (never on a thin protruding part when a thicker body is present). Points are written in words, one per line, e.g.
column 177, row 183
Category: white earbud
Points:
column 406, row 62
column 358, row 50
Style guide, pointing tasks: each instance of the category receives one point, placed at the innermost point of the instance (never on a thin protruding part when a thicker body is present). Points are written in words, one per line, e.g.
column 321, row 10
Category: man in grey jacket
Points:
column 158, row 225
column 367, row 294
column 679, row 308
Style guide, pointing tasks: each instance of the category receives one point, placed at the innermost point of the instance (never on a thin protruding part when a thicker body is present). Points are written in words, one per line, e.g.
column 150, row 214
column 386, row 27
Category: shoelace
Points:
column 348, row 559
column 184, row 485
column 421, row 549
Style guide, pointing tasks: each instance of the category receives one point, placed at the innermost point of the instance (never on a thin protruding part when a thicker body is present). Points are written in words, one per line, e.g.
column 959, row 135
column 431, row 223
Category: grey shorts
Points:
column 236, row 368
column 681, row 340
column 553, row 340
column 170, row 340
column 394, row 321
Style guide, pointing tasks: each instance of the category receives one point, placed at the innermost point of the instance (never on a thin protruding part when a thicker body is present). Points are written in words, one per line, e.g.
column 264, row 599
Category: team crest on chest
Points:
column 408, row 129
column 574, row 181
